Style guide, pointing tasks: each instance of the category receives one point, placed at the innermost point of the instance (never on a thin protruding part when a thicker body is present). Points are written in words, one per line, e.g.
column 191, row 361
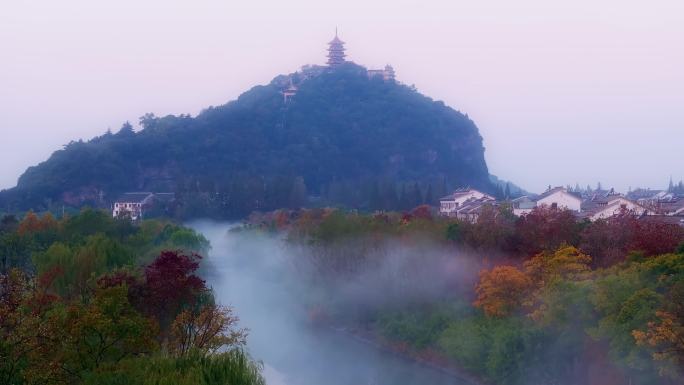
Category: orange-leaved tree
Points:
column 502, row 290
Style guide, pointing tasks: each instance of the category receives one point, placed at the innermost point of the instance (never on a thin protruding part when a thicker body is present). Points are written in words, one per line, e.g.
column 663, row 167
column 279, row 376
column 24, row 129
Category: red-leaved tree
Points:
column 546, row 229
column 170, row 285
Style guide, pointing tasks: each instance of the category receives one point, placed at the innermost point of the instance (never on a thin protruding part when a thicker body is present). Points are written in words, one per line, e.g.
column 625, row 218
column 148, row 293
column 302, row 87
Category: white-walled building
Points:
column 387, row 74
column 131, row 205
column 618, row 205
column 560, row 197
column 134, row 204
column 450, row 204
column 522, row 205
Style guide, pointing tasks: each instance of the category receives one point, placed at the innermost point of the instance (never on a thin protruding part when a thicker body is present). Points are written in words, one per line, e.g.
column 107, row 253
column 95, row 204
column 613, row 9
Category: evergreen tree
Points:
column 126, row 129
column 416, row 196
column 507, row 191
column 297, row 197
column 442, row 189
column 404, row 201
column 500, row 192
column 389, row 196
column 429, row 198
column 374, row 201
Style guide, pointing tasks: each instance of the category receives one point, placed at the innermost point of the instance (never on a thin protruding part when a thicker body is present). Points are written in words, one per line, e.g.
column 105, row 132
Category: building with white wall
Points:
column 617, row 206
column 561, row 198
column 450, row 204
column 131, row 205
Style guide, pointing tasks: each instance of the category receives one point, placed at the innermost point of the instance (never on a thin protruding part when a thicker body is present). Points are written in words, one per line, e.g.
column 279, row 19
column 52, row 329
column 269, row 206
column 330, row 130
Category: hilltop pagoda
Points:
column 336, row 52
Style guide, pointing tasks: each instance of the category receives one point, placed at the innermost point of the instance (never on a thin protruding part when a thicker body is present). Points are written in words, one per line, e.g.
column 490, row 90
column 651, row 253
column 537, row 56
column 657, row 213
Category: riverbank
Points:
column 427, row 357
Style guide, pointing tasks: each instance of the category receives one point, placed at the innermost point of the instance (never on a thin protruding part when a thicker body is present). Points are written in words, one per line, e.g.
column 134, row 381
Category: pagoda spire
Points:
column 336, row 53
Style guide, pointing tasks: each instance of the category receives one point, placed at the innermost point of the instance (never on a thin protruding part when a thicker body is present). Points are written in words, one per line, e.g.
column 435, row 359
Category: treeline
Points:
column 538, row 299
column 243, row 195
column 88, row 299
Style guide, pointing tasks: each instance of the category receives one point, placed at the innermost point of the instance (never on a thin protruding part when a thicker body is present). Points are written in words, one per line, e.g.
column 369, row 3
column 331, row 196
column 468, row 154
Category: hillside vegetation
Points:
column 344, row 139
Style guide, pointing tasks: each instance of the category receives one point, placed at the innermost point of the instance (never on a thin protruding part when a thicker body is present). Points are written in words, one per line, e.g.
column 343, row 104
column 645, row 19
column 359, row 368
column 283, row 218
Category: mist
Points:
column 264, row 279
column 536, row 76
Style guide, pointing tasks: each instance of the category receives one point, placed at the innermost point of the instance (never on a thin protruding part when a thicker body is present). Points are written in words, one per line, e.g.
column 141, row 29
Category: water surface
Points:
column 253, row 275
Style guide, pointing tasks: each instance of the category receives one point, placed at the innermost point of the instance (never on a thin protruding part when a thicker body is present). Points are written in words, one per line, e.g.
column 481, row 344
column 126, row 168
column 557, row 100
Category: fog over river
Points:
column 252, row 274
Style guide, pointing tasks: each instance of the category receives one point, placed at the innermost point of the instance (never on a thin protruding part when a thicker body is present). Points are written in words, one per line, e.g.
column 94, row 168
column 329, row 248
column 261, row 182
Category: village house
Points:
column 471, row 209
column 522, row 205
column 464, row 204
column 133, row 205
column 561, row 198
column 617, row 206
column 659, row 202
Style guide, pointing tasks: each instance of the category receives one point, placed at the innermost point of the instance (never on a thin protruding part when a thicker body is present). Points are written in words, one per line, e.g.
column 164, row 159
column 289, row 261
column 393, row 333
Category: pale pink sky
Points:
column 563, row 92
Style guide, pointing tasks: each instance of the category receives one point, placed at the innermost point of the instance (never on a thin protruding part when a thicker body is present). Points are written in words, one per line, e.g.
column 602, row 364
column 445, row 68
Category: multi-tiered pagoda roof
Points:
column 336, row 53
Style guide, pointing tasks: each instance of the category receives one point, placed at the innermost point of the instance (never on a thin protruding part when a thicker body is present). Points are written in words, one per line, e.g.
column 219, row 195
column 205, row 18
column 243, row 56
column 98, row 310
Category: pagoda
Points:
column 336, row 52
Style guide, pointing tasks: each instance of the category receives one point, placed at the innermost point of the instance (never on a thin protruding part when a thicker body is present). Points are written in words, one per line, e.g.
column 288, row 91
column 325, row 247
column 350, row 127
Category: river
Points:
column 250, row 274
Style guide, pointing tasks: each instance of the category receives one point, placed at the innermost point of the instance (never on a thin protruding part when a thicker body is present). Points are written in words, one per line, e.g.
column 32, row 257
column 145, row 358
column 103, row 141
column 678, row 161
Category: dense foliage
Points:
column 538, row 299
column 89, row 299
column 344, row 139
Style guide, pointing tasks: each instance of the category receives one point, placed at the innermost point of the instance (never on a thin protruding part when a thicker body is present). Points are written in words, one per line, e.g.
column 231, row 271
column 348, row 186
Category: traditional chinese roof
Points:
column 558, row 189
column 473, row 205
column 134, row 197
column 164, row 197
column 336, row 41
column 463, row 192
column 523, row 202
column 336, row 51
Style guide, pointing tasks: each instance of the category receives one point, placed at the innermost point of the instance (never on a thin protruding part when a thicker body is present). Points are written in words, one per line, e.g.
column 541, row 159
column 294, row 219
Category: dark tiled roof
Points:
column 523, row 202
column 134, row 197
column 164, row 197
column 555, row 190
column 459, row 193
column 474, row 205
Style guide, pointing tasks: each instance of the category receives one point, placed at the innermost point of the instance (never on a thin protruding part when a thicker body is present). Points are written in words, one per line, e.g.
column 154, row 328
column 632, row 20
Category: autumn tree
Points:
column 559, row 295
column 170, row 284
column 494, row 229
column 206, row 330
column 502, row 290
column 107, row 330
column 567, row 262
column 13, row 287
column 607, row 240
column 654, row 238
column 546, row 228
column 30, row 224
column 26, row 329
column 665, row 335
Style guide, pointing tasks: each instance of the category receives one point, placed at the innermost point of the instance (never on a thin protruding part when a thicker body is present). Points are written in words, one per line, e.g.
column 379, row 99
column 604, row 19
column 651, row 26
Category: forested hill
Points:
column 343, row 139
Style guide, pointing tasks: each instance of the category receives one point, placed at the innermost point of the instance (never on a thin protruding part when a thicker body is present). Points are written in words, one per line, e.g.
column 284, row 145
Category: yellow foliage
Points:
column 666, row 337
column 502, row 290
column 567, row 262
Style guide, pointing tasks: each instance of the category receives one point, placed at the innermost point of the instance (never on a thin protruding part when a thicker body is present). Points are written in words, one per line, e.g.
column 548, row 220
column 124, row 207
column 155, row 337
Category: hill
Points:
column 343, row 139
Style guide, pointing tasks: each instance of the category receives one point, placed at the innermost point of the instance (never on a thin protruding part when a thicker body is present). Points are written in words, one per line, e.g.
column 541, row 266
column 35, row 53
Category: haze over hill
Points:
column 345, row 137
column 600, row 79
